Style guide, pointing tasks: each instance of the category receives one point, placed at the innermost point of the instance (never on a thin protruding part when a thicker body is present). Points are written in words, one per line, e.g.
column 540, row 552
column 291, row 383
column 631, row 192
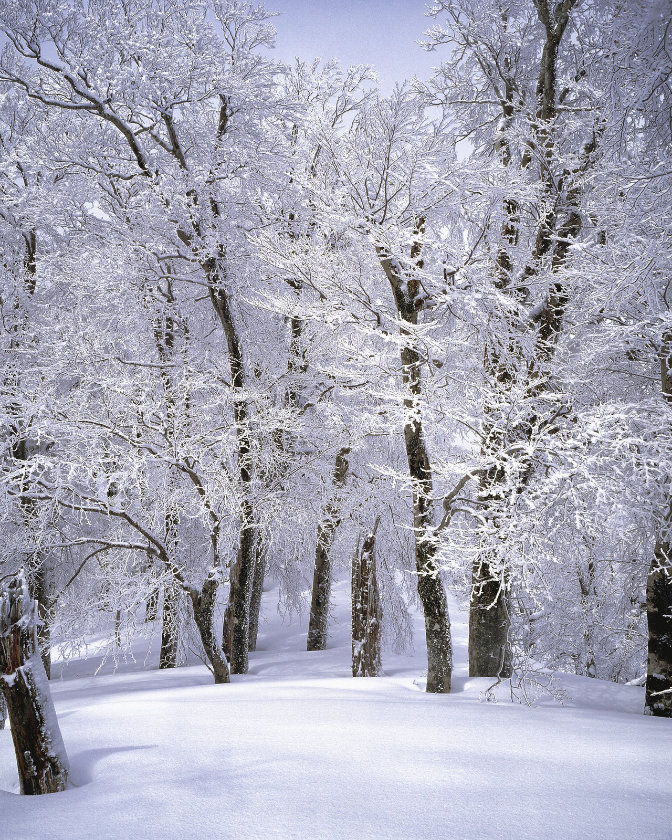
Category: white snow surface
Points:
column 300, row 749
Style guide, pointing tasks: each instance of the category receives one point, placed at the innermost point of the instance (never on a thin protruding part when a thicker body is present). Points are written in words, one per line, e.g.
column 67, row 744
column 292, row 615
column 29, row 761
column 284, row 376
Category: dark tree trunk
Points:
column 587, row 666
column 408, row 300
column 257, row 591
column 319, row 606
column 117, row 628
column 40, row 755
column 169, row 616
column 489, row 625
column 659, row 617
column 659, row 588
column 152, row 605
column 169, row 627
column 203, row 604
column 489, row 608
column 237, row 615
column 366, row 612
column 41, row 593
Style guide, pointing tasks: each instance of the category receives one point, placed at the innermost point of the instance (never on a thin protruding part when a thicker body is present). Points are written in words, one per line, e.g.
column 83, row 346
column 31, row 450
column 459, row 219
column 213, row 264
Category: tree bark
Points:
column 41, row 592
column 408, row 300
column 152, row 605
column 257, row 591
column 489, row 624
column 489, row 608
column 203, row 604
column 236, row 620
column 366, row 611
column 659, row 588
column 658, row 613
column 40, row 755
column 169, row 627
column 319, row 606
column 237, row 615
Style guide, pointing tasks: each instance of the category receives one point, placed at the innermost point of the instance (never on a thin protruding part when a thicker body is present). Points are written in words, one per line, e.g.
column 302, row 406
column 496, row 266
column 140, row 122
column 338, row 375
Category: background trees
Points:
column 254, row 314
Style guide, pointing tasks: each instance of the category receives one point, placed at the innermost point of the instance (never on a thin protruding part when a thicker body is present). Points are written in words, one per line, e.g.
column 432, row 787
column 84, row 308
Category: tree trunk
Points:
column 169, row 618
column 319, row 606
column 489, row 624
column 659, row 588
column 169, row 627
column 237, row 615
column 408, row 300
column 588, row 667
column 366, row 612
column 40, row 755
column 257, row 591
column 152, row 605
column 659, row 617
column 203, row 604
column 41, row 593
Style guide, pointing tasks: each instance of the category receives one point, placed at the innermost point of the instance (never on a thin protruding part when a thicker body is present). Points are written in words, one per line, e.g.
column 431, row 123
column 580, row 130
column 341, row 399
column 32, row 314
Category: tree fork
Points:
column 203, row 604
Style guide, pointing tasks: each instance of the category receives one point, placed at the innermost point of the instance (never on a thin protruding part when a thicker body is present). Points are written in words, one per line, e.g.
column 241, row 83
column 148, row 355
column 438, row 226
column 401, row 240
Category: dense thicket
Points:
column 254, row 314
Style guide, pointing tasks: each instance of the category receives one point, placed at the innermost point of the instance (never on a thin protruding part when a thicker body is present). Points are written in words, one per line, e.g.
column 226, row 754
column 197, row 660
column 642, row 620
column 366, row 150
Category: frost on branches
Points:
column 249, row 309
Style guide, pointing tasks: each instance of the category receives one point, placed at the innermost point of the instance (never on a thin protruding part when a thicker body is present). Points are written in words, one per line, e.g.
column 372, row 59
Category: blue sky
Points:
column 377, row 32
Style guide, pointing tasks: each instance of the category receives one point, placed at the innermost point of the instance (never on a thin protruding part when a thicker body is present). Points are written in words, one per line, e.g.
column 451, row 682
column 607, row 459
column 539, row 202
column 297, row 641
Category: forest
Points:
column 271, row 335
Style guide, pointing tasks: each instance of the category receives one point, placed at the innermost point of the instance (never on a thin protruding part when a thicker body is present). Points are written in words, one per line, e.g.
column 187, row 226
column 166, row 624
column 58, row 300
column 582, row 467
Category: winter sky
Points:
column 378, row 32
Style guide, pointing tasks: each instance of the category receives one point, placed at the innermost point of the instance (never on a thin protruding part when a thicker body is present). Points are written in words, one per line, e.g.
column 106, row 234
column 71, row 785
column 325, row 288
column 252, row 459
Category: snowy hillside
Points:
column 299, row 749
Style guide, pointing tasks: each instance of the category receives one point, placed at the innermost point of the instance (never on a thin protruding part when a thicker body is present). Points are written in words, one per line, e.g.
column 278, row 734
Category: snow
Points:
column 300, row 749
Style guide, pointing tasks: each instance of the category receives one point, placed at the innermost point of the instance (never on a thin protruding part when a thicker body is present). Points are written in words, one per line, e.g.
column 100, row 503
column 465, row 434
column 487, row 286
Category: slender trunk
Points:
column 117, row 628
column 203, row 607
column 169, row 619
column 152, row 605
column 38, row 576
column 169, row 627
column 40, row 755
column 588, row 667
column 659, row 618
column 366, row 612
column 257, row 590
column 408, row 300
column 237, row 615
column 297, row 365
column 236, row 622
column 319, row 606
column 659, row 588
column 41, row 592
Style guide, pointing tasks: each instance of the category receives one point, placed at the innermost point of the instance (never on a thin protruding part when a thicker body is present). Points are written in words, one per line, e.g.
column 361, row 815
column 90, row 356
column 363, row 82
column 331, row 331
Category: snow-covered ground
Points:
column 299, row 749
